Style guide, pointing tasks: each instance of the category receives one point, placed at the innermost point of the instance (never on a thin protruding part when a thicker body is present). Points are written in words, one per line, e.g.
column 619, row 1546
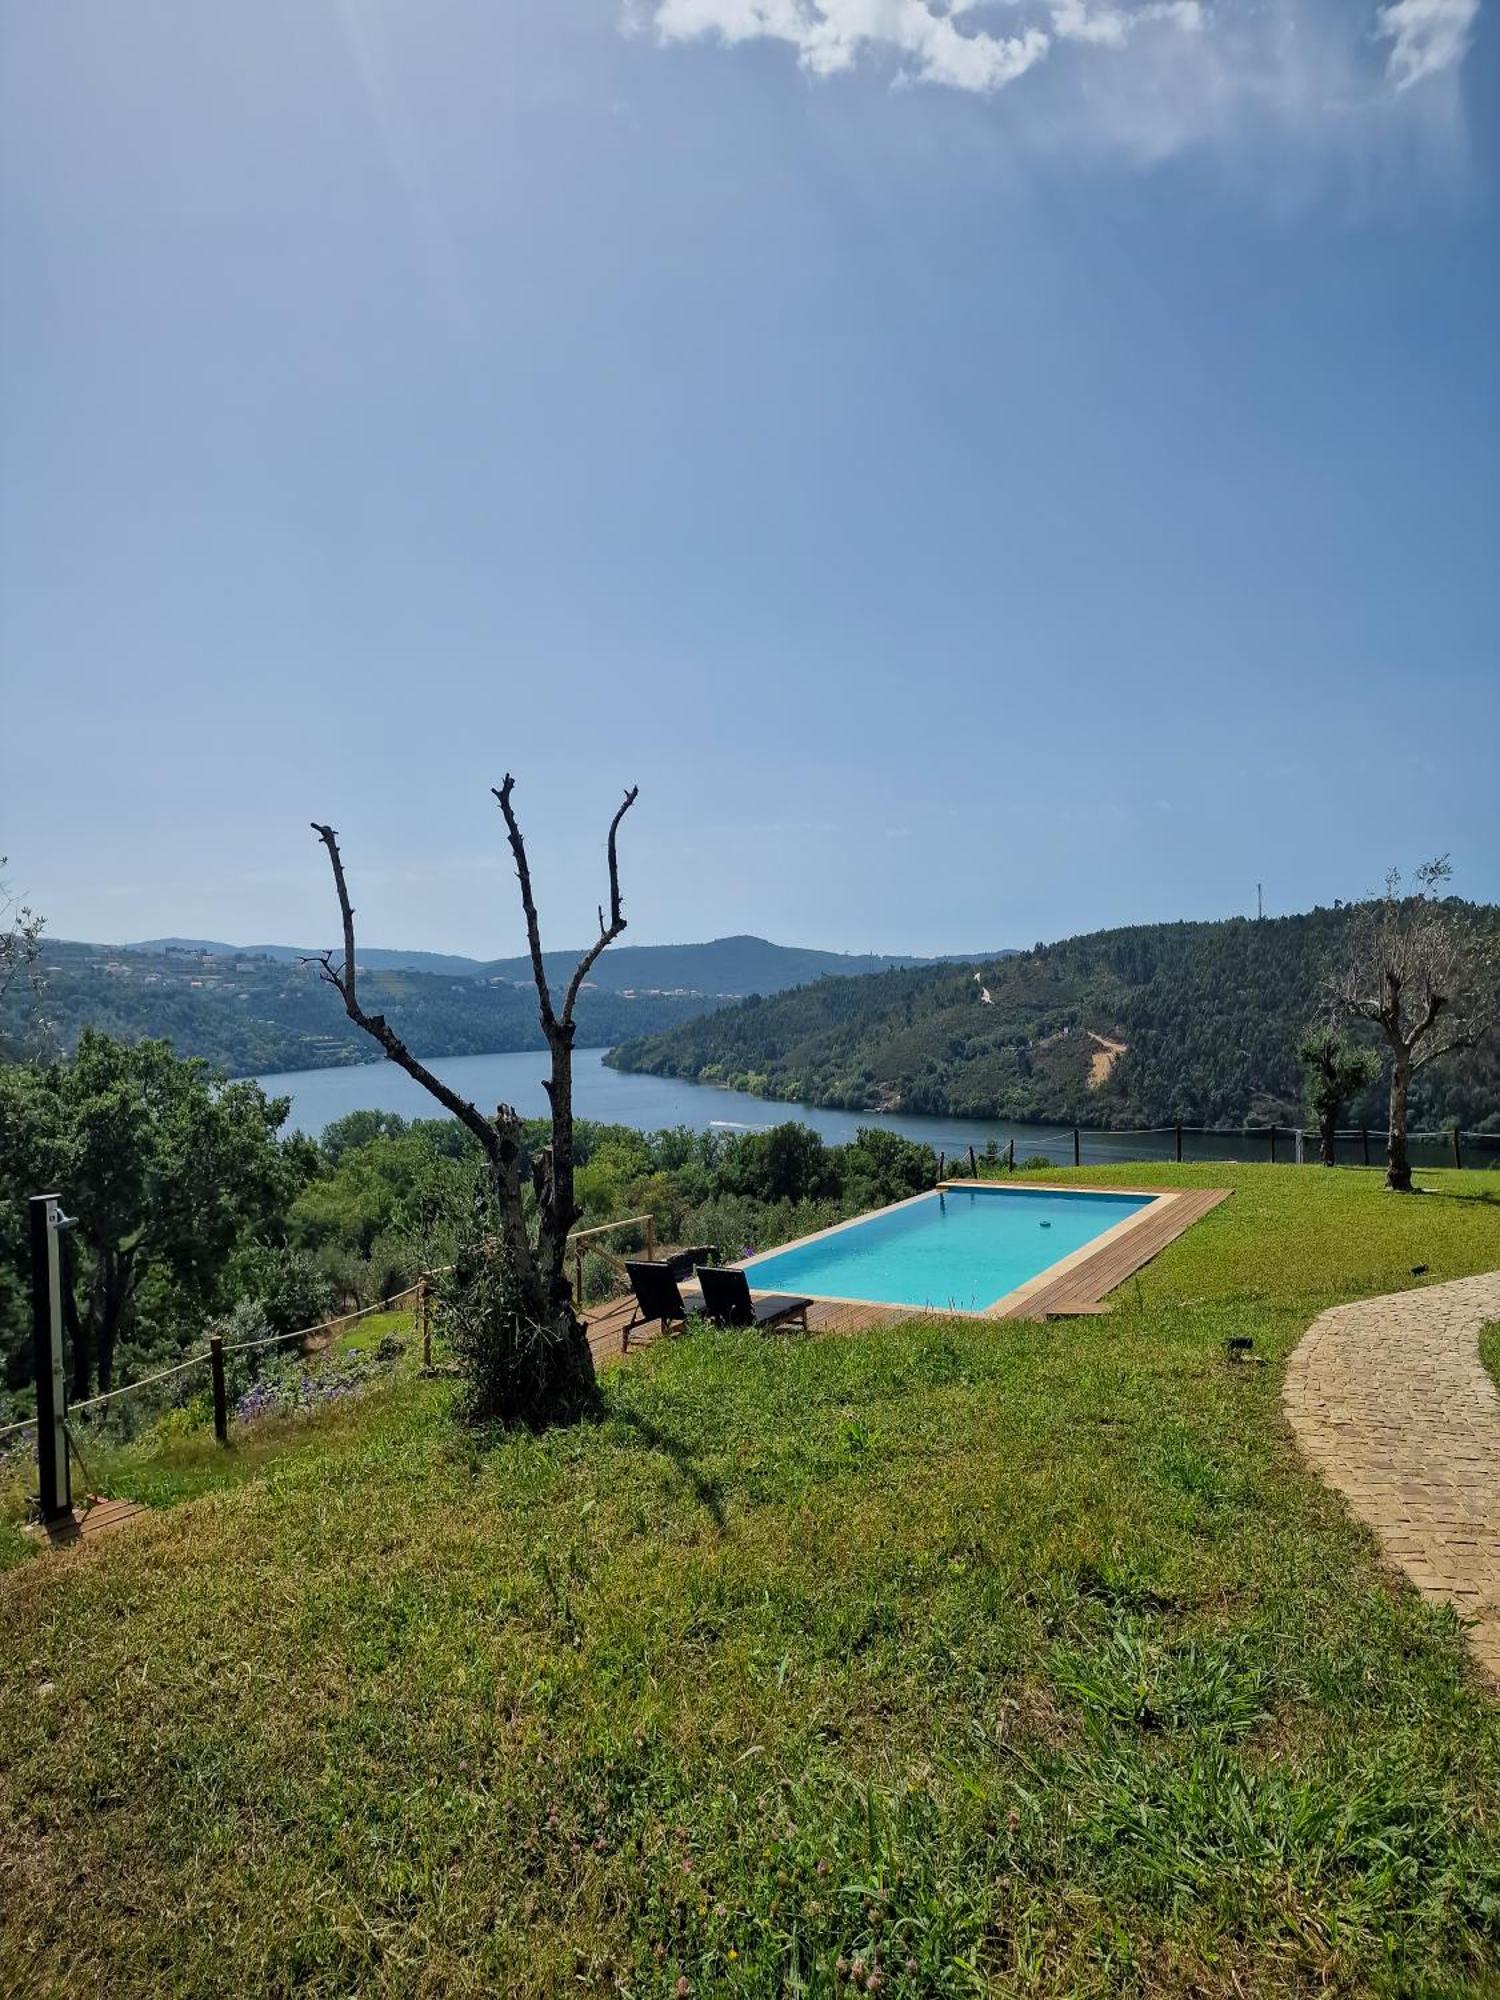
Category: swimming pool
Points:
column 958, row 1249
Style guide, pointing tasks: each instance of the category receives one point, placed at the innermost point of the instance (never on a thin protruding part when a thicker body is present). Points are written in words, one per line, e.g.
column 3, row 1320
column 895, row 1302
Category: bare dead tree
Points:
column 1419, row 967
column 534, row 1260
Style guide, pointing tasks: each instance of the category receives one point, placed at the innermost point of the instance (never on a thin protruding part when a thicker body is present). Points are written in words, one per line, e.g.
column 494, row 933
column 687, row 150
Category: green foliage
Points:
column 20, row 950
column 166, row 1175
column 1211, row 1015
column 1337, row 1071
column 515, row 1368
column 998, row 1658
column 289, row 1288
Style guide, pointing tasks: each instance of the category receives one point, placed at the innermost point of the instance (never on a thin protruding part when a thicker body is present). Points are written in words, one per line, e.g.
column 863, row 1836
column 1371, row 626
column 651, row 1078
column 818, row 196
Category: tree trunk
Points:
column 1327, row 1128
column 558, row 1213
column 1397, row 1165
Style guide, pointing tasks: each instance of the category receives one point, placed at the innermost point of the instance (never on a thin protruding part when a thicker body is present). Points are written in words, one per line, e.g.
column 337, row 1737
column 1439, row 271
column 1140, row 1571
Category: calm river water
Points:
column 654, row 1103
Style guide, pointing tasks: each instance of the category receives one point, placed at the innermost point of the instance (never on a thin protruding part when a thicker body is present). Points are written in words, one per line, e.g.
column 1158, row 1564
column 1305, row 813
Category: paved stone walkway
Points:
column 1392, row 1405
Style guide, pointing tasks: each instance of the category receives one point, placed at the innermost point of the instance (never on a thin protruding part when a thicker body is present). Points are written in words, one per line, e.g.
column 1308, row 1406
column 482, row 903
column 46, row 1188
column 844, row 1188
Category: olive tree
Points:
column 526, row 1350
column 1337, row 1070
column 1420, row 968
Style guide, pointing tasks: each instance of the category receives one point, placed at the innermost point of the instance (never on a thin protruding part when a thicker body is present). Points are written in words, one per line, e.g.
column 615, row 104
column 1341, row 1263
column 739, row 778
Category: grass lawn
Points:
column 969, row 1659
column 177, row 1458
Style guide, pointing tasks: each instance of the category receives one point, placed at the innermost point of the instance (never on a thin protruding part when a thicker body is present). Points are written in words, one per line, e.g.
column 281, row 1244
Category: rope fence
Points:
column 217, row 1350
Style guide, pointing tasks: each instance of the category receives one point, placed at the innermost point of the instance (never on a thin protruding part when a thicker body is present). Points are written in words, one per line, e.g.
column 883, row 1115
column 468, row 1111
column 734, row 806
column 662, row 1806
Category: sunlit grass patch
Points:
column 967, row 1658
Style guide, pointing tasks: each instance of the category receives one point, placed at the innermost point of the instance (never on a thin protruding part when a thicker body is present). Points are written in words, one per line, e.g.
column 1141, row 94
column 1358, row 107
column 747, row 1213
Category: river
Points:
column 654, row 1103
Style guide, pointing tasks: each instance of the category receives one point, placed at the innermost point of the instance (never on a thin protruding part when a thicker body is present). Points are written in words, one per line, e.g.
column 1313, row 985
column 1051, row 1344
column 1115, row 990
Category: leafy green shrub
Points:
column 513, row 1371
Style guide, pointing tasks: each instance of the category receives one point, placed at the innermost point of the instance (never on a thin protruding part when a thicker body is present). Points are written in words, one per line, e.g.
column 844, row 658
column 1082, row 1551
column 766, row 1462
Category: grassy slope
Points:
column 1026, row 1654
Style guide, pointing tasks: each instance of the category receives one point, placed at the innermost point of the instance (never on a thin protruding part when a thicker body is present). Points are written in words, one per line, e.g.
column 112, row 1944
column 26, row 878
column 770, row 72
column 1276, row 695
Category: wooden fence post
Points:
column 651, row 1238
column 1273, row 1145
column 578, row 1278
column 1011, row 1155
column 1077, row 1148
column 424, row 1307
column 1458, row 1158
column 941, row 1158
column 221, row 1400
column 1364, row 1140
column 1179, row 1142
column 974, row 1164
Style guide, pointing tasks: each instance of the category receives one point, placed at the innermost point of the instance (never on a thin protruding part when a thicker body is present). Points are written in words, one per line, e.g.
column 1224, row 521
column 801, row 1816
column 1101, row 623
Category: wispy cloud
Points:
column 1426, row 37
column 1152, row 75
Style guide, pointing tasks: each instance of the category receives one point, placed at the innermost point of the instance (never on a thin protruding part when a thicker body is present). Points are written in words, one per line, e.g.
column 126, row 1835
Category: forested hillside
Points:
column 264, row 1007
column 250, row 1015
column 1209, row 1016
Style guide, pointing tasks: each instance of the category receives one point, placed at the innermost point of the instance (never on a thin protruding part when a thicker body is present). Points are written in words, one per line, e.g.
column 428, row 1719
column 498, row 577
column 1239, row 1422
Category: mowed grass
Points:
column 947, row 1659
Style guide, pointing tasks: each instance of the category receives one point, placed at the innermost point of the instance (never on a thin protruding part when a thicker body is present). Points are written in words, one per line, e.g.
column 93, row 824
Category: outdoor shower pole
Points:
column 47, row 1348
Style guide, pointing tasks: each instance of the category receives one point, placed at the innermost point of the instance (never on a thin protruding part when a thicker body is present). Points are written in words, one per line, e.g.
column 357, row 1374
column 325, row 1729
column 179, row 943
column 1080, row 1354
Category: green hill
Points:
column 247, row 1015
column 264, row 1007
column 728, row 966
column 1208, row 1015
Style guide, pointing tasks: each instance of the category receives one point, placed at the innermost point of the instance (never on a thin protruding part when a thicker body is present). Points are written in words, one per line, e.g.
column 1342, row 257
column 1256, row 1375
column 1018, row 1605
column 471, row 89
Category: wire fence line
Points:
column 1210, row 1144
column 206, row 1355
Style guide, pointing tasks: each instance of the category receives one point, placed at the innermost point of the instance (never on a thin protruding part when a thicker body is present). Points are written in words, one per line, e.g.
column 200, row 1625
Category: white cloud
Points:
column 1426, row 37
column 1148, row 75
column 830, row 35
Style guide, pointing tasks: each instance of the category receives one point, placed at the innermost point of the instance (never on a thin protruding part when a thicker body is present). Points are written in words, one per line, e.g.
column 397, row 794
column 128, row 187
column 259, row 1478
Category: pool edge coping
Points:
column 1159, row 1204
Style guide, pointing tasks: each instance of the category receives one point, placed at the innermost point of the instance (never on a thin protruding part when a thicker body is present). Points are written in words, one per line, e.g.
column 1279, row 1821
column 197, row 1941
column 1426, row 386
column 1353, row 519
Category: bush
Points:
column 514, row 1370
column 291, row 1287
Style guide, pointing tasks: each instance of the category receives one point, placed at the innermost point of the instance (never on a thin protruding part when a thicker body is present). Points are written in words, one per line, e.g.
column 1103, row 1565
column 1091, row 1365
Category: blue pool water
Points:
column 962, row 1248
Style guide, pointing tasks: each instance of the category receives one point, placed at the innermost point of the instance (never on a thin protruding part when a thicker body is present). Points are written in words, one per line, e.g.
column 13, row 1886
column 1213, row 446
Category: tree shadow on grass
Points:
column 706, row 1491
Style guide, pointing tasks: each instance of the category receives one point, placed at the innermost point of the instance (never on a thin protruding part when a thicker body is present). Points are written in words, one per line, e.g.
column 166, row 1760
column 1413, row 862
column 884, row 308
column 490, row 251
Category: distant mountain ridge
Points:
column 286, row 954
column 727, row 967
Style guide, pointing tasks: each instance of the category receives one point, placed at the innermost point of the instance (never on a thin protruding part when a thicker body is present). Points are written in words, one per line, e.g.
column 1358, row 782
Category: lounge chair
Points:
column 727, row 1301
column 658, row 1293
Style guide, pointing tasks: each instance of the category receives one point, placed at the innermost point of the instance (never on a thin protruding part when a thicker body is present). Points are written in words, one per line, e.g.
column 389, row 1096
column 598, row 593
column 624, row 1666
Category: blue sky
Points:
column 985, row 471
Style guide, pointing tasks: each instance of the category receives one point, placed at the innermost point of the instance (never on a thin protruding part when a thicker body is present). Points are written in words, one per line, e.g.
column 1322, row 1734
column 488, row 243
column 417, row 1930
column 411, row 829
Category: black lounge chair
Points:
column 658, row 1293
column 727, row 1301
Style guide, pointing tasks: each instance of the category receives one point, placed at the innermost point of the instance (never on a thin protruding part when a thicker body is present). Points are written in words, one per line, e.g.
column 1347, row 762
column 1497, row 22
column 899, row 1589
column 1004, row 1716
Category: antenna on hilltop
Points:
column 1260, row 905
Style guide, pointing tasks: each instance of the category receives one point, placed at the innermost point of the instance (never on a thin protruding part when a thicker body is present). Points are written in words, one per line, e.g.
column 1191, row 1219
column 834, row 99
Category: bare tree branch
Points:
column 610, row 931
column 528, row 903
column 343, row 982
column 1453, row 1047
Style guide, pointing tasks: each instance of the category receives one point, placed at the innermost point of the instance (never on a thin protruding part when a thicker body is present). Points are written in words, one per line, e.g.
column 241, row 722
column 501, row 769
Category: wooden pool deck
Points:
column 1078, row 1286
column 1087, row 1281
